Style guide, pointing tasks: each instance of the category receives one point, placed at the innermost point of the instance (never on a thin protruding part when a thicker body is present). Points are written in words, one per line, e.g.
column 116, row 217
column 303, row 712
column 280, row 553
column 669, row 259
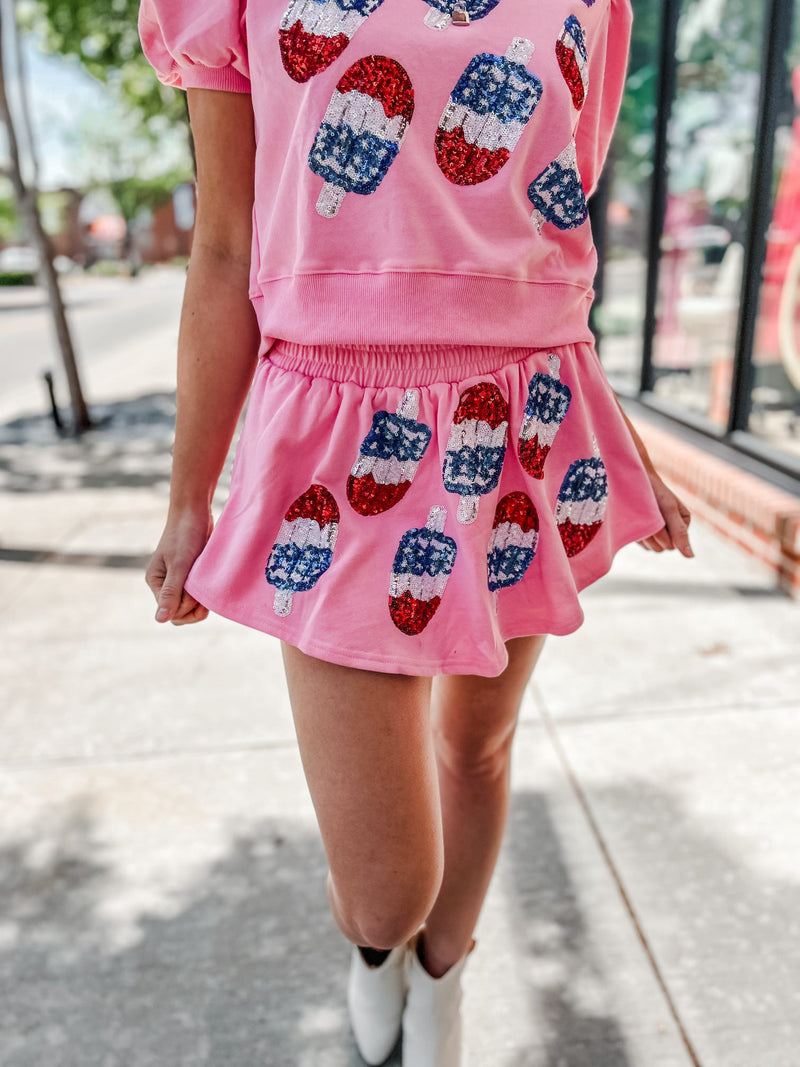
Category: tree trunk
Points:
column 28, row 207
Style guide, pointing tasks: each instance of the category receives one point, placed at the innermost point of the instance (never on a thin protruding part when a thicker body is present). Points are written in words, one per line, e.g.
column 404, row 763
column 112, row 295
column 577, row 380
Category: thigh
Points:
column 368, row 758
column 474, row 718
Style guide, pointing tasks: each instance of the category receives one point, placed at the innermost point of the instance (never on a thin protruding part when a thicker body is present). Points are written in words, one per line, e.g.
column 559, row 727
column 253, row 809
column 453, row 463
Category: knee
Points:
column 386, row 930
column 383, row 917
column 474, row 757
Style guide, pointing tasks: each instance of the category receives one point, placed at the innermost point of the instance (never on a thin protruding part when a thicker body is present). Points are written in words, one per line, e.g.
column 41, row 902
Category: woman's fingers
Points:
column 189, row 611
column 166, row 582
column 678, row 517
column 675, row 531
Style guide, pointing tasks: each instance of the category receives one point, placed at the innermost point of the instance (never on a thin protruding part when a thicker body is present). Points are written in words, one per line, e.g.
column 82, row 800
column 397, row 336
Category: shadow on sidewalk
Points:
column 130, row 449
column 244, row 966
column 567, row 982
column 723, row 933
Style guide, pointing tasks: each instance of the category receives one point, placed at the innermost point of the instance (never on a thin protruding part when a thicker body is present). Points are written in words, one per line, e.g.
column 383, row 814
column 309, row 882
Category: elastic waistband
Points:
column 389, row 365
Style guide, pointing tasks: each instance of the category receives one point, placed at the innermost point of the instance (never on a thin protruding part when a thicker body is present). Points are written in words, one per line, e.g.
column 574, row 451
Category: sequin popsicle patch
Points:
column 303, row 549
column 573, row 60
column 422, row 564
column 548, row 402
column 557, row 193
column 515, row 537
column 312, row 34
column 361, row 131
column 486, row 114
column 581, row 504
column 388, row 458
column 476, row 447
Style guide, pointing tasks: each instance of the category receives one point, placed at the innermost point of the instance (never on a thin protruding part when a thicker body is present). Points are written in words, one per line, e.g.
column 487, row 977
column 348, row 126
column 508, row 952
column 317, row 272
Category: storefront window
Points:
column 620, row 313
column 711, row 134
column 775, row 410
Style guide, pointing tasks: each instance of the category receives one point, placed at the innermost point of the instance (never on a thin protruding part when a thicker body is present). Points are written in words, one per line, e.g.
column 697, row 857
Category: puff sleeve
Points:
column 608, row 68
column 196, row 44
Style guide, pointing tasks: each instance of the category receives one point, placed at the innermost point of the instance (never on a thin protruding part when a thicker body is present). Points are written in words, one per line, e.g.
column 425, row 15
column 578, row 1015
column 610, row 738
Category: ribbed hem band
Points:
column 422, row 308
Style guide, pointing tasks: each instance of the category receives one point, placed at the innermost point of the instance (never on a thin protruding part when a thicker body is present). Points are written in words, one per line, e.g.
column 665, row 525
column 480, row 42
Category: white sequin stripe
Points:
column 385, row 471
column 302, row 532
column 420, row 586
column 474, row 432
column 324, row 20
column 545, row 431
column 363, row 113
column 569, row 42
column 510, row 533
column 580, row 511
column 485, row 131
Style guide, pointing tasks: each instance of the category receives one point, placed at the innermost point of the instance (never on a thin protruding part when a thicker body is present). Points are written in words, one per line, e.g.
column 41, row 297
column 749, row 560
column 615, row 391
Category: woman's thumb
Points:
column 168, row 600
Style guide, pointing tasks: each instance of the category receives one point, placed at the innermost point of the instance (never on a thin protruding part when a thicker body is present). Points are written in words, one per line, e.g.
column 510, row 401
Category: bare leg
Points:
column 367, row 752
column 473, row 726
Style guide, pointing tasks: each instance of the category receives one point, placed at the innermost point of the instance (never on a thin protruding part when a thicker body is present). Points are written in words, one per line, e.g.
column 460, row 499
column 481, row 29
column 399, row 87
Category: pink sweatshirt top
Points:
column 421, row 165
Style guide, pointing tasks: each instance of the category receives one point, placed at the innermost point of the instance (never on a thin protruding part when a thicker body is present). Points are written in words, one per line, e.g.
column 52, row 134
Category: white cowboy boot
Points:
column 375, row 999
column 432, row 1019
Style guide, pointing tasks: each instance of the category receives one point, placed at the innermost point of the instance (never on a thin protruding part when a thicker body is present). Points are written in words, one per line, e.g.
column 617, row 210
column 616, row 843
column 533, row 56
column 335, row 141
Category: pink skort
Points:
column 410, row 509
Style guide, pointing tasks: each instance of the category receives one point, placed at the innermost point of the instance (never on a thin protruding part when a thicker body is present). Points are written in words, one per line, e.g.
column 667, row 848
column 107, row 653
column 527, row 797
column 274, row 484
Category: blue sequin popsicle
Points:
column 422, row 564
column 486, row 114
column 581, row 504
column 557, row 193
column 548, row 402
column 388, row 458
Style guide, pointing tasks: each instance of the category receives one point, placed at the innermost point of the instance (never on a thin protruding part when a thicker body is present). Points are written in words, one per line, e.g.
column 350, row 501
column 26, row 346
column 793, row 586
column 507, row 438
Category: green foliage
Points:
column 133, row 194
column 17, row 278
column 103, row 36
column 633, row 141
column 9, row 221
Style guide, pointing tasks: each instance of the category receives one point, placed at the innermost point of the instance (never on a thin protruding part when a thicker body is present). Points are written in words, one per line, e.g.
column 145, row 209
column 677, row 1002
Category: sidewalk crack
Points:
column 605, row 851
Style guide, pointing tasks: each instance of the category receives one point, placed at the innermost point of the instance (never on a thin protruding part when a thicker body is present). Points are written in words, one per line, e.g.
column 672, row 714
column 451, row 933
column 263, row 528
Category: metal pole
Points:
column 776, row 41
column 665, row 94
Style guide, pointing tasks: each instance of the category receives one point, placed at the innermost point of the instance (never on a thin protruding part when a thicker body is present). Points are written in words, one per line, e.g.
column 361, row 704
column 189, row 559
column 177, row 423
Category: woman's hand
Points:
column 675, row 532
column 181, row 543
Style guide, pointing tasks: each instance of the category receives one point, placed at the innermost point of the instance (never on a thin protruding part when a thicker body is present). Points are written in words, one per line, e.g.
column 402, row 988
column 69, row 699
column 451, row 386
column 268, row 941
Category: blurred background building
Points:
column 699, row 224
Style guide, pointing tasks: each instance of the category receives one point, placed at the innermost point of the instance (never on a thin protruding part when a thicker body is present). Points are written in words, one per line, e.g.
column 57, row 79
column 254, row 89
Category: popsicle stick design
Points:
column 488, row 110
column 581, row 503
column 362, row 130
column 476, row 447
column 422, row 565
column 548, row 403
column 573, row 60
column 314, row 33
column 557, row 193
column 388, row 458
column 460, row 12
column 515, row 537
column 303, row 549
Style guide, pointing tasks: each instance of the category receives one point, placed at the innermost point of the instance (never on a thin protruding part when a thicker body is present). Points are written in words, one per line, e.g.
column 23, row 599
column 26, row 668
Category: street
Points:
column 104, row 315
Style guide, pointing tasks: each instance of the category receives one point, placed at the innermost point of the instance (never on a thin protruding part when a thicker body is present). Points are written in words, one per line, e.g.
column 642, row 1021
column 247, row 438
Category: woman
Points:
column 392, row 255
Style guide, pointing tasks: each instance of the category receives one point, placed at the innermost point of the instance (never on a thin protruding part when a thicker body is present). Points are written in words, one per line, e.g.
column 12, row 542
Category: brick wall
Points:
column 759, row 518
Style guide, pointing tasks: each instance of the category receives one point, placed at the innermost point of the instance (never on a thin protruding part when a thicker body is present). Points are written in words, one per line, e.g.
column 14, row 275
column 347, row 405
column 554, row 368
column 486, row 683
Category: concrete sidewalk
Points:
column 161, row 874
